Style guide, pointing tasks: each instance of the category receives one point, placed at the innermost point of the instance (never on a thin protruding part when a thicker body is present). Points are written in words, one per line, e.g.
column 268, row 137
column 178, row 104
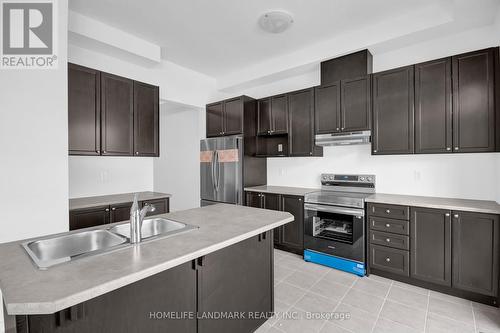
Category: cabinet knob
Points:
column 375, row 151
column 388, row 240
column 447, row 214
column 337, row 128
column 388, row 259
column 300, row 199
column 114, row 208
column 388, row 211
column 448, row 148
column 98, row 151
column 104, row 152
column 310, row 153
column 455, row 216
column 107, row 209
column 387, row 225
column 456, row 148
column 137, row 153
column 342, row 128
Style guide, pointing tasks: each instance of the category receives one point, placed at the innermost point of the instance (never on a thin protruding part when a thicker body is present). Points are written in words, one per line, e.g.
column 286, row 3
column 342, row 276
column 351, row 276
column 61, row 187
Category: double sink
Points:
column 53, row 250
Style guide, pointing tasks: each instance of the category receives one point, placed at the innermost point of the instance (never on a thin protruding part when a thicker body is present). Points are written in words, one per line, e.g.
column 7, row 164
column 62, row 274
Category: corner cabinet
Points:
column 393, row 104
column 111, row 115
column 301, row 124
column 289, row 237
column 475, row 252
column 228, row 117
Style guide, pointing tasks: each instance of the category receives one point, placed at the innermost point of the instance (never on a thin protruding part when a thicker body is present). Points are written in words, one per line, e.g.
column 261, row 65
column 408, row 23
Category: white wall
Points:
column 471, row 176
column 34, row 137
column 93, row 175
column 177, row 170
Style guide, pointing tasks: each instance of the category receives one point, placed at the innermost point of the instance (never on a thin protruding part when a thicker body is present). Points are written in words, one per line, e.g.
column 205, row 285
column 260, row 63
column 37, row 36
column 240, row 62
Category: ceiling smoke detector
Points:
column 275, row 22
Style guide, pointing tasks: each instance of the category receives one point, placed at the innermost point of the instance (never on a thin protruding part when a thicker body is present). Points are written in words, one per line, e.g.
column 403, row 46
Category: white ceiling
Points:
column 220, row 37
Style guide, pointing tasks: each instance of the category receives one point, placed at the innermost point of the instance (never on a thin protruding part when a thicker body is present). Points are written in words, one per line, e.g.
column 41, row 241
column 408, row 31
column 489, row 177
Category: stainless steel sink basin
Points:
column 53, row 250
column 155, row 227
column 47, row 252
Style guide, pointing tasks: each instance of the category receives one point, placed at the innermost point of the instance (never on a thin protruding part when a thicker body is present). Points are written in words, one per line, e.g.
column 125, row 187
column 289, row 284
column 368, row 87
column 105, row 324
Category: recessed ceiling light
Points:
column 275, row 22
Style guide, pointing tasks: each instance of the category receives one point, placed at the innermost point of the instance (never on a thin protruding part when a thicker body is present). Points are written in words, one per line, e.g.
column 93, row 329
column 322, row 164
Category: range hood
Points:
column 345, row 138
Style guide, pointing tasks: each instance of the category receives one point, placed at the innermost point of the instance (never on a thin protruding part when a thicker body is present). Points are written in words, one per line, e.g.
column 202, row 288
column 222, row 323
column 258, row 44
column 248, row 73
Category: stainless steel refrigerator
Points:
column 226, row 169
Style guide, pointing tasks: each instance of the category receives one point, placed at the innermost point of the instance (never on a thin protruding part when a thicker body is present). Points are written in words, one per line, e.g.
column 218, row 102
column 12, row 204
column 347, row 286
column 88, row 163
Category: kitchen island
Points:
column 223, row 269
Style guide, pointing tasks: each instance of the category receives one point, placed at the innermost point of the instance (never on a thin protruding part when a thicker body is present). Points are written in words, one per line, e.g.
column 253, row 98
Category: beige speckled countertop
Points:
column 113, row 199
column 479, row 206
column 301, row 191
column 28, row 290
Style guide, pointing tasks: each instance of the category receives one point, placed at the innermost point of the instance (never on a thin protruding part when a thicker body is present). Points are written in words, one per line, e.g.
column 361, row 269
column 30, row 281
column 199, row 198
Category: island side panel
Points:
column 237, row 279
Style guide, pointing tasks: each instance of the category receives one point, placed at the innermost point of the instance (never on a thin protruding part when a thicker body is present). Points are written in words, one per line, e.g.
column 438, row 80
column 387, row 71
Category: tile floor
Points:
column 373, row 304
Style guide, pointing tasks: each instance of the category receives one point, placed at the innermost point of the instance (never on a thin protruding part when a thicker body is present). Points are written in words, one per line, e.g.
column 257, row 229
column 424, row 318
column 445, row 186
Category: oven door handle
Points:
column 331, row 209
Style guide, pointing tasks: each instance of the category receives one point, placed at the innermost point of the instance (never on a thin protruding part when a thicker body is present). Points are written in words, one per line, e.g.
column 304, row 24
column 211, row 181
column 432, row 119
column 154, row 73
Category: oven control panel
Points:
column 330, row 179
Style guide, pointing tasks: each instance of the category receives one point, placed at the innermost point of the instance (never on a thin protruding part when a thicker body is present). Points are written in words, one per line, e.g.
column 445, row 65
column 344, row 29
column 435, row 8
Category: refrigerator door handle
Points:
column 217, row 170
column 213, row 170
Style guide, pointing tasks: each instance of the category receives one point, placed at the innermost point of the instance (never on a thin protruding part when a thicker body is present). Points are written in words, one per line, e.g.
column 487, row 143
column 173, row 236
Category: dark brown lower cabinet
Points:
column 292, row 234
column 99, row 215
column 453, row 252
column 129, row 309
column 120, row 212
column 238, row 278
column 161, row 206
column 289, row 237
column 430, row 238
column 475, row 252
column 88, row 217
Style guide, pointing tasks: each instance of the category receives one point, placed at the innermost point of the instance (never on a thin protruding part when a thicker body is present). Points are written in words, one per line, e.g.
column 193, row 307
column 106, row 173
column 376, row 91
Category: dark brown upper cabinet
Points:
column 430, row 239
column 301, row 124
column 215, row 119
column 475, row 252
column 146, row 119
column 228, row 117
column 272, row 115
column 111, row 115
column 84, row 110
column 357, row 64
column 393, row 104
column 474, row 101
column 327, row 108
column 355, row 104
column 433, row 107
column 343, row 106
column 117, row 119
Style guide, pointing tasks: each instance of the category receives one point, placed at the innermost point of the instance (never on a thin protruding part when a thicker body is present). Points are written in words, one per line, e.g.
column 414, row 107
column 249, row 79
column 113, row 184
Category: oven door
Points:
column 335, row 230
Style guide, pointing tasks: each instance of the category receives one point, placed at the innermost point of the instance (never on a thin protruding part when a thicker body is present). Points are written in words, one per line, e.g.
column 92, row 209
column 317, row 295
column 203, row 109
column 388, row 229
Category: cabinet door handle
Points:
column 388, row 240
column 137, row 153
column 375, row 151
column 448, row 148
column 456, row 148
column 388, row 259
column 114, row 208
column 337, row 128
column 456, row 216
column 388, row 211
column 387, row 225
column 98, row 151
column 107, row 210
column 447, row 214
column 104, row 152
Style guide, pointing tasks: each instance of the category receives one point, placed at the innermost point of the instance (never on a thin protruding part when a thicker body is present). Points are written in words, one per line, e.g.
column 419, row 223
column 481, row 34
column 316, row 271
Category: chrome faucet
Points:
column 136, row 217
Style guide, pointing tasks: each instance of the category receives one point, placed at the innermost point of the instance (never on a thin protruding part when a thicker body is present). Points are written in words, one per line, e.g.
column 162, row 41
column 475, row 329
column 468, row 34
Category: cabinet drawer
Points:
column 389, row 225
column 391, row 211
column 391, row 240
column 389, row 259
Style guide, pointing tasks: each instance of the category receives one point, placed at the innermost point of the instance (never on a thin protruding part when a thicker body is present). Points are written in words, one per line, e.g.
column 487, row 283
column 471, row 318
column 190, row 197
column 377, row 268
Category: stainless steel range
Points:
column 334, row 224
